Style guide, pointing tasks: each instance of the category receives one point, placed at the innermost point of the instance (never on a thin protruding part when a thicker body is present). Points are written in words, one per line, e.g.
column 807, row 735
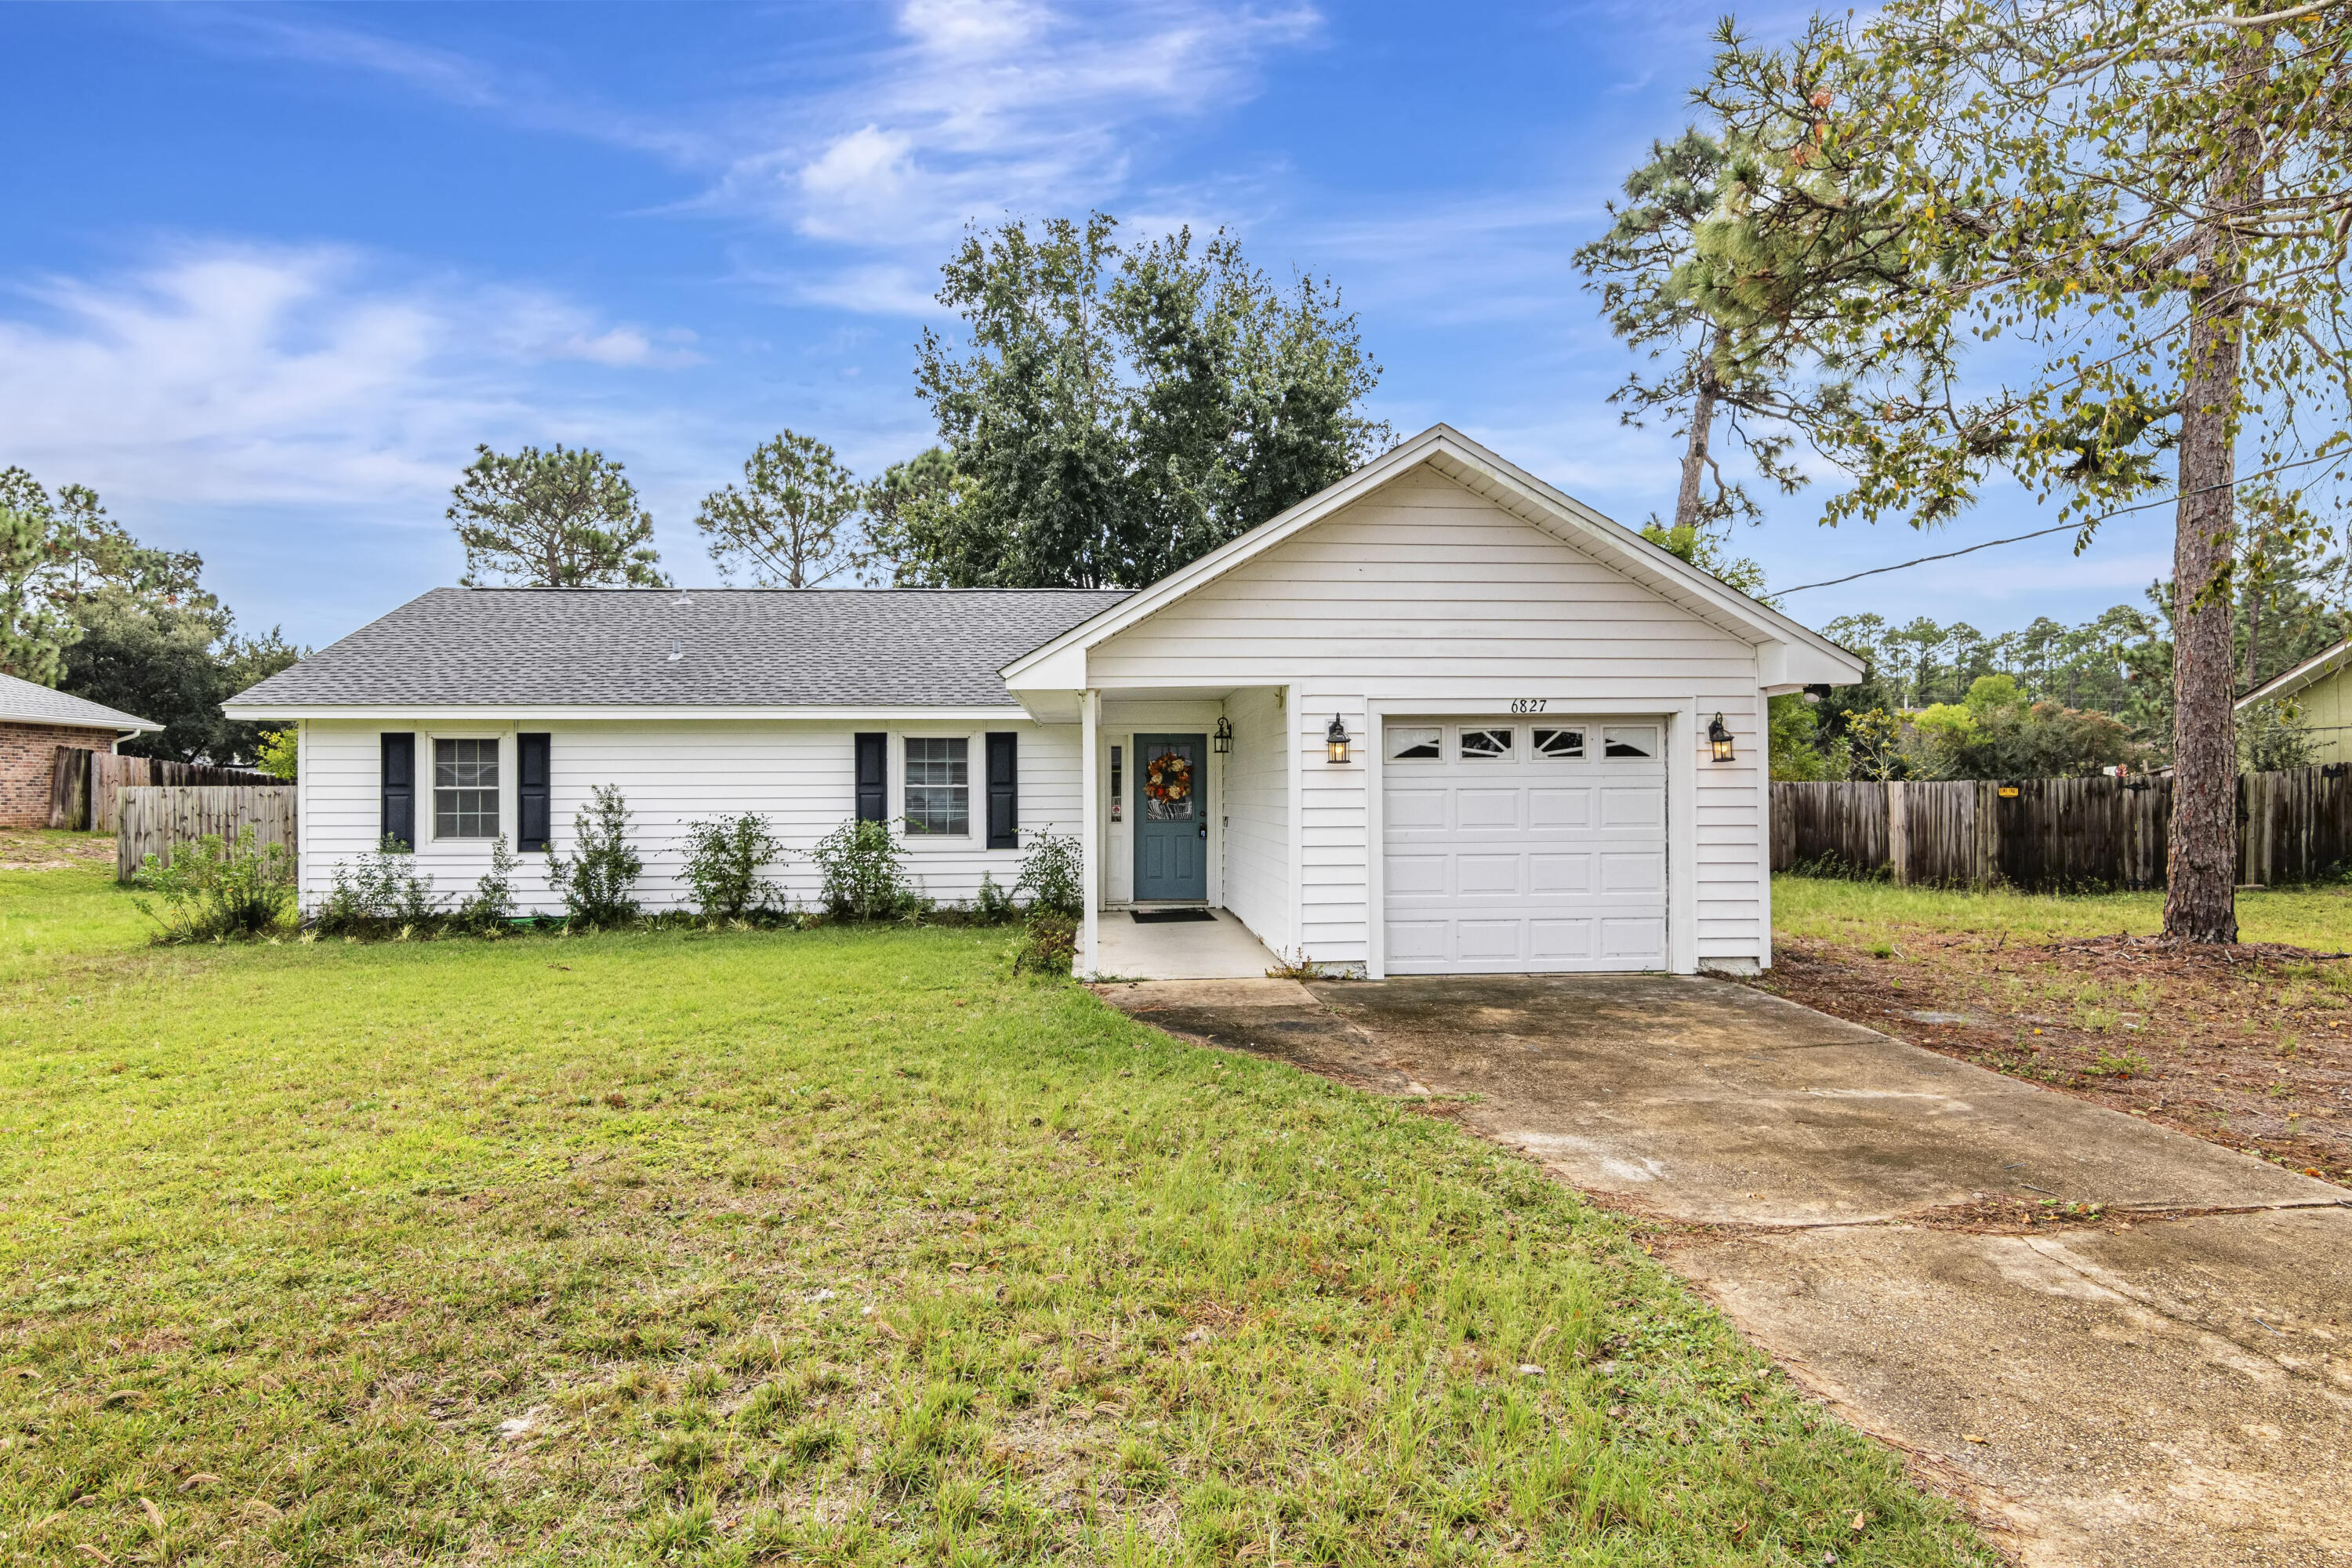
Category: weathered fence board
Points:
column 154, row 817
column 83, row 784
column 2054, row 834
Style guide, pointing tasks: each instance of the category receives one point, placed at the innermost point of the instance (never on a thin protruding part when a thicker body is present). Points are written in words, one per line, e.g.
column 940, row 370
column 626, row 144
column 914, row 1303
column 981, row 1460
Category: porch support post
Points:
column 1090, row 835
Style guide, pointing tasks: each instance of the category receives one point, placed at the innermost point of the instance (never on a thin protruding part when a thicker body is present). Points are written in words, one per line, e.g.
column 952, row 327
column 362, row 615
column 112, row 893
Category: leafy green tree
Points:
column 794, row 522
column 917, row 514
column 34, row 633
column 174, row 663
column 2145, row 198
column 1709, row 554
column 1112, row 414
column 557, row 519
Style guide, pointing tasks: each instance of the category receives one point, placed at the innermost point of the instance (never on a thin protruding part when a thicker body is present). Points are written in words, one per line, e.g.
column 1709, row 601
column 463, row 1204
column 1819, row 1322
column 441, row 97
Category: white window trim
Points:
column 975, row 764
column 429, row 805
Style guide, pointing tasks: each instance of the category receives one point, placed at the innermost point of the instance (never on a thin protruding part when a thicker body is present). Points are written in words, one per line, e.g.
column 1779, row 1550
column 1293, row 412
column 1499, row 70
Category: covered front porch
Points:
column 1188, row 832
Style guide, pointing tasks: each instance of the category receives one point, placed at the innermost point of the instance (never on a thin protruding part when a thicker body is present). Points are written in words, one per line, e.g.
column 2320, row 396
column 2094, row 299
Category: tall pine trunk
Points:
column 2200, row 874
column 1688, row 501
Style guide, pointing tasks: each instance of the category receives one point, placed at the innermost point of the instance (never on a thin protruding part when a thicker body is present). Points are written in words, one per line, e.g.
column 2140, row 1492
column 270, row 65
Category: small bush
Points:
column 992, row 906
column 1054, row 874
column 1048, row 946
column 598, row 878
column 213, row 889
column 379, row 892
column 724, row 861
column 864, row 867
column 490, row 907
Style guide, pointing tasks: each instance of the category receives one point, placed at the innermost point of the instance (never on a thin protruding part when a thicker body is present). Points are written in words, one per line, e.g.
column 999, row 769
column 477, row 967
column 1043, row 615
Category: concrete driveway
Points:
column 2167, row 1383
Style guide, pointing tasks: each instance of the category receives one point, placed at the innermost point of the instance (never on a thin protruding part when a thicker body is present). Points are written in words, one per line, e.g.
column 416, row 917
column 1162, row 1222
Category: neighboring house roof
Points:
column 22, row 702
column 2317, row 667
column 1486, row 473
column 666, row 648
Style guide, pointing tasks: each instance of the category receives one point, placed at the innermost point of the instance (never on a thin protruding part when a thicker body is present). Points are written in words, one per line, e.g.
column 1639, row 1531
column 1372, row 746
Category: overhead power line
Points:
column 2063, row 527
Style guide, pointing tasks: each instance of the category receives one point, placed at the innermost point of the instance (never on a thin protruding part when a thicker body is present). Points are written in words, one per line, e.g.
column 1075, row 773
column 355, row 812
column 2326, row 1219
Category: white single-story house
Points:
column 1439, row 718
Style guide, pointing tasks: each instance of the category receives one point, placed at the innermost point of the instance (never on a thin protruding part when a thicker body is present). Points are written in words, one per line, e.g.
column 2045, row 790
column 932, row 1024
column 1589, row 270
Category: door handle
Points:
column 1204, row 830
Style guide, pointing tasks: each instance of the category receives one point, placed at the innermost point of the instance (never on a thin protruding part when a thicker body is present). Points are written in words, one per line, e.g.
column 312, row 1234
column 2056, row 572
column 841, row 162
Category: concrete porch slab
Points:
column 1222, row 949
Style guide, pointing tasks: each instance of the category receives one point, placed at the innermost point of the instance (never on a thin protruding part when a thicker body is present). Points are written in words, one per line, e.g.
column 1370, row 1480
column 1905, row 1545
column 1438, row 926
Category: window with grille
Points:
column 465, row 789
column 939, row 785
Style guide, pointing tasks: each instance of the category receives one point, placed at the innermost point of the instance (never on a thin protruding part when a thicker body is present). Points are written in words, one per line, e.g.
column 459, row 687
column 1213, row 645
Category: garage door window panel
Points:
column 1627, row 741
column 1416, row 743
column 1486, row 745
column 1558, row 745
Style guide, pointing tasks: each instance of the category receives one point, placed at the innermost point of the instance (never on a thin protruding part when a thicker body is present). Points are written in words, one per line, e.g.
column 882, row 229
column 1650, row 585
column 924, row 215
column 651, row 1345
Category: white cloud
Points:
column 251, row 374
column 984, row 107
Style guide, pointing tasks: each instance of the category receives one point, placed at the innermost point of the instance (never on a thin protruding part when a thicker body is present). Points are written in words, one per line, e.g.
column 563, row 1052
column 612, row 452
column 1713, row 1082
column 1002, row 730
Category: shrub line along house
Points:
column 1438, row 718
column 35, row 723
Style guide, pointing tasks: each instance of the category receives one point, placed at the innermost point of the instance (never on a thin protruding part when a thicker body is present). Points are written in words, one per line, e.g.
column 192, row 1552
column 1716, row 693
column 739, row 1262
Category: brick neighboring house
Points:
column 34, row 722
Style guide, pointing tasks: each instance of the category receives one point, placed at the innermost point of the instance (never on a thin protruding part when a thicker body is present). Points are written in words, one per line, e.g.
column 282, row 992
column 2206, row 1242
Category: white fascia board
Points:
column 1061, row 669
column 2318, row 667
column 1783, row 667
column 546, row 713
column 1485, row 473
column 125, row 726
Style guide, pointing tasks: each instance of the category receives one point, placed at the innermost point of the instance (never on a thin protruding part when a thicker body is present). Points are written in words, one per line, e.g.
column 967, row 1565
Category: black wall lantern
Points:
column 1335, row 741
column 1222, row 741
column 1718, row 736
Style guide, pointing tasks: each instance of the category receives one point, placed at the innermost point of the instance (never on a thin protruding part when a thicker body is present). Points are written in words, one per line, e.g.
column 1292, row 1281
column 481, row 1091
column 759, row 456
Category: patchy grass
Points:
column 1832, row 908
column 838, row 1246
column 2244, row 1047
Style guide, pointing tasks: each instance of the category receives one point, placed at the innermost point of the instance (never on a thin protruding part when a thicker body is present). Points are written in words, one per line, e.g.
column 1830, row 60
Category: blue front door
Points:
column 1172, row 818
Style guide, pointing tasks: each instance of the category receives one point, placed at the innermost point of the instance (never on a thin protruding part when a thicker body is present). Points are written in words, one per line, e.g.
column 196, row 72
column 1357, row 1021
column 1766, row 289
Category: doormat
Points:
column 1169, row 916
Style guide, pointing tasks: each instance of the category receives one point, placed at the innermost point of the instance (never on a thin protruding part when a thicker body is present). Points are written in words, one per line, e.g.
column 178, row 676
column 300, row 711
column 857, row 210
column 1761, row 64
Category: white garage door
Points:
column 1517, row 845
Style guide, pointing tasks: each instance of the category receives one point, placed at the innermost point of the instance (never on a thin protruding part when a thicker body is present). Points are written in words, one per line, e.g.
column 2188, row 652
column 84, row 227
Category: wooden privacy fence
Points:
column 83, row 784
column 2054, row 834
column 157, row 816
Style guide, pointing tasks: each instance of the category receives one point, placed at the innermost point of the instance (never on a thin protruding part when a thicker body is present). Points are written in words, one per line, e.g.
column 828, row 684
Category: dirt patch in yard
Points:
column 2249, row 1047
column 27, row 850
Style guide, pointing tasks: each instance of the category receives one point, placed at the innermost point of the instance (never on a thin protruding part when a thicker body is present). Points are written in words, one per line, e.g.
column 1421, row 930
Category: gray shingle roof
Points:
column 737, row 646
column 21, row 702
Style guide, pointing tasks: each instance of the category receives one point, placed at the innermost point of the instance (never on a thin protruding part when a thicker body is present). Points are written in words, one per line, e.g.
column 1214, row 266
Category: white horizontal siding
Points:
column 799, row 775
column 1257, row 817
column 1423, row 590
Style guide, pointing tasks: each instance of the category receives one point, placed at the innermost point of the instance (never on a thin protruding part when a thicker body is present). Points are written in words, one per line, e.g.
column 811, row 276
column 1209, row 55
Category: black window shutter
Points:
column 1004, row 790
column 398, row 820
column 873, row 778
column 531, row 807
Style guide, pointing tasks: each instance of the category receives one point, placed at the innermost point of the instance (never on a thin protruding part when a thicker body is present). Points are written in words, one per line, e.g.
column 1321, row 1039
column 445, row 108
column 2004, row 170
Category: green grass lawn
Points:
column 1836, row 910
column 830, row 1246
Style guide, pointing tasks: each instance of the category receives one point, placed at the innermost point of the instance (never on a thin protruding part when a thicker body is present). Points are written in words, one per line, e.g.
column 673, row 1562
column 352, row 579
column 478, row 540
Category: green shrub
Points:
column 864, row 871
column 723, row 860
column 213, row 889
column 992, row 906
column 1049, row 945
column 1054, row 874
column 378, row 893
column 490, row 907
column 598, row 878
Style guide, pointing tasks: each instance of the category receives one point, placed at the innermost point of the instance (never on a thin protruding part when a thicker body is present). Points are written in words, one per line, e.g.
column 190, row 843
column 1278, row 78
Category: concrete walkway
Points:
column 2170, row 1385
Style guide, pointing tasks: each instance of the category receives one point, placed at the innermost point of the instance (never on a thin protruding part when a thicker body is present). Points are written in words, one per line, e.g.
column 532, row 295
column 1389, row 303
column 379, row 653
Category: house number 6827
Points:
column 1529, row 704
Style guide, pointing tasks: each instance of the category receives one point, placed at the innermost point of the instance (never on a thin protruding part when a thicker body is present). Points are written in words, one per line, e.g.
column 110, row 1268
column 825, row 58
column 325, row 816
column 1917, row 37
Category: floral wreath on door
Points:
column 1168, row 786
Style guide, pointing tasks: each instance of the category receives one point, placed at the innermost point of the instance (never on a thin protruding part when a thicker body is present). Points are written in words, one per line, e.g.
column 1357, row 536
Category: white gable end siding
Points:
column 799, row 775
column 1424, row 592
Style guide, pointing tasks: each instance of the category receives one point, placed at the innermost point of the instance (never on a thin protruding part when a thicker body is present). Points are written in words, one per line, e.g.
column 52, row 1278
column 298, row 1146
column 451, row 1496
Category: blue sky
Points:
column 273, row 271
